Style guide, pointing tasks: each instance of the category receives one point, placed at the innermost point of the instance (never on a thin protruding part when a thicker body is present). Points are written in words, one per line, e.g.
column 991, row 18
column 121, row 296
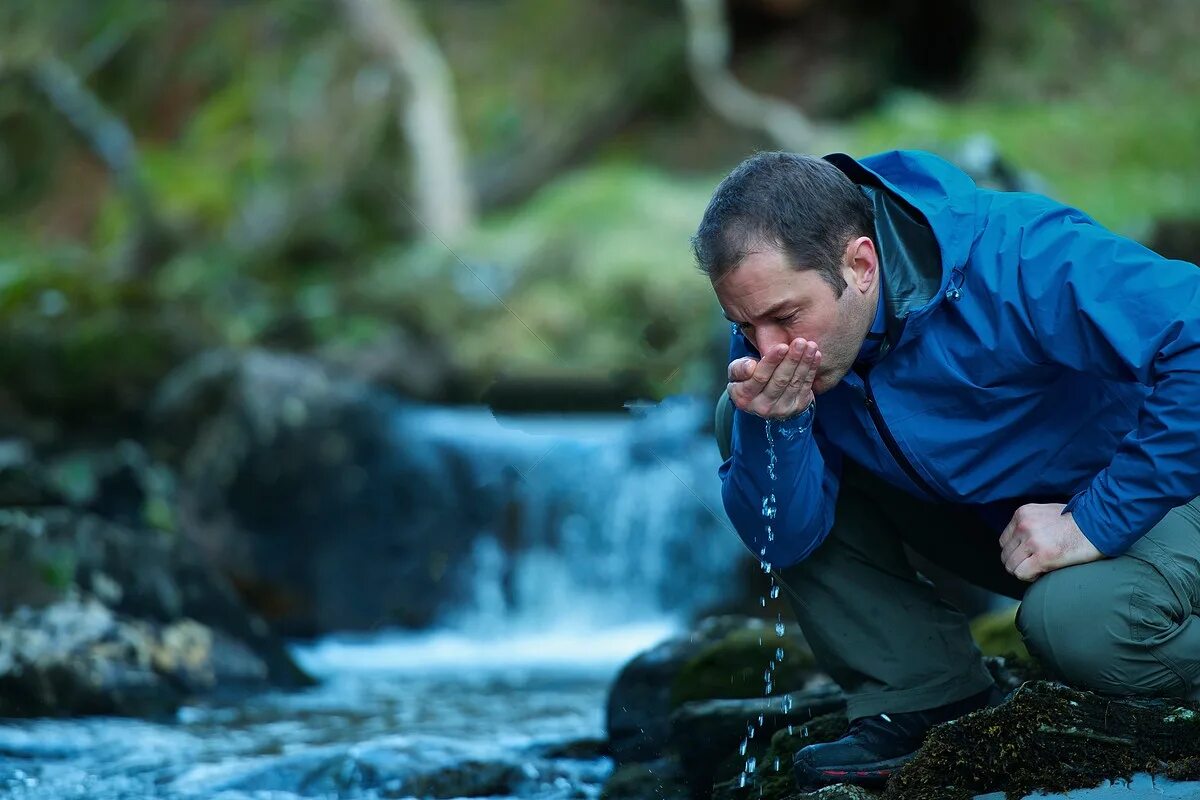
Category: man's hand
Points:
column 1040, row 539
column 780, row 384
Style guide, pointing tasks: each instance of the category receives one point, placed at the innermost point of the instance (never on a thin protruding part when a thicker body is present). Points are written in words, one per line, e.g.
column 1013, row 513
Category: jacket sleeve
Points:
column 805, row 487
column 1103, row 304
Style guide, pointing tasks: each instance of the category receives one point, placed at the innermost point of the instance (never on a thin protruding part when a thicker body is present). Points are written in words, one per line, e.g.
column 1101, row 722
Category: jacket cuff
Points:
column 1094, row 527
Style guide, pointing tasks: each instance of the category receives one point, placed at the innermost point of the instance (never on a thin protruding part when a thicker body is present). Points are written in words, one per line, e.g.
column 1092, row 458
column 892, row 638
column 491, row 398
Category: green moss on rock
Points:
column 734, row 667
column 1050, row 737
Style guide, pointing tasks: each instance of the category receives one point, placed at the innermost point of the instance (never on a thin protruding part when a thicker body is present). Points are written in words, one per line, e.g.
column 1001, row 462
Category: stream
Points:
column 445, row 714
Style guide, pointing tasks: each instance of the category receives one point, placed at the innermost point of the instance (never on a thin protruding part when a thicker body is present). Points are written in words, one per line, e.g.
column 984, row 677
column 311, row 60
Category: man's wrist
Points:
column 798, row 423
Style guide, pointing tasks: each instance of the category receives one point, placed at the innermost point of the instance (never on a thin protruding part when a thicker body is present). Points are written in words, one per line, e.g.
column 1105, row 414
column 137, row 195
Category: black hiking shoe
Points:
column 877, row 746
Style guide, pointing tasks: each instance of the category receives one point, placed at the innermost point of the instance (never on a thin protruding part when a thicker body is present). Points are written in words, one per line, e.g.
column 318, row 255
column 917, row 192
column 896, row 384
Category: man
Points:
column 991, row 378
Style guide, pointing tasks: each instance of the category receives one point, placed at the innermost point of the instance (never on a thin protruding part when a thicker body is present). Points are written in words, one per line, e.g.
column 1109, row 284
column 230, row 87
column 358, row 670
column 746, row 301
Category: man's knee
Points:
column 1101, row 625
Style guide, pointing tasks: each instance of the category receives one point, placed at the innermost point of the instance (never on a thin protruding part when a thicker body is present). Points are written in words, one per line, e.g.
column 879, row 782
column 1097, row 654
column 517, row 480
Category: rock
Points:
column 296, row 482
column 705, row 734
column 76, row 656
column 94, row 582
column 721, row 658
column 1053, row 738
column 771, row 776
column 660, row 779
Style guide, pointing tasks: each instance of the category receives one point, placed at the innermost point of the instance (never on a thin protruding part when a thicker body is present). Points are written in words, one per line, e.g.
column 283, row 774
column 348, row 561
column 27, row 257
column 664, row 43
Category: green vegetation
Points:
column 267, row 141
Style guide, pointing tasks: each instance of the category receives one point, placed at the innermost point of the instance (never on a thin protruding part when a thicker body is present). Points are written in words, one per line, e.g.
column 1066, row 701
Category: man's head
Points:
column 787, row 242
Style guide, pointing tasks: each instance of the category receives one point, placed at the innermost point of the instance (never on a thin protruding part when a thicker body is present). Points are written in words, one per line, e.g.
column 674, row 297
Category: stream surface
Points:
column 441, row 715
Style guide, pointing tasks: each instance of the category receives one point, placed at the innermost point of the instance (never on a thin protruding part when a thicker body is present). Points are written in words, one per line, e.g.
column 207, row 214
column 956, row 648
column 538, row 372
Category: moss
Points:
column 734, row 667
column 772, row 777
column 1052, row 738
column 996, row 634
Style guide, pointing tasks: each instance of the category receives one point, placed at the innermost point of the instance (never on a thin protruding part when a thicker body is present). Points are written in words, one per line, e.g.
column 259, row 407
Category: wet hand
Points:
column 1040, row 539
column 779, row 385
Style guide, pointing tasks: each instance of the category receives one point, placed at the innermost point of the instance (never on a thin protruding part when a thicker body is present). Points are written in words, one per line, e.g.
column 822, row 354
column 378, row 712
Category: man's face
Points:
column 773, row 304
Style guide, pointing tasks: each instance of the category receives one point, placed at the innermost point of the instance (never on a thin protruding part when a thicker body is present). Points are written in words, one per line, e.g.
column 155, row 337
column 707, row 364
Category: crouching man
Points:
column 991, row 378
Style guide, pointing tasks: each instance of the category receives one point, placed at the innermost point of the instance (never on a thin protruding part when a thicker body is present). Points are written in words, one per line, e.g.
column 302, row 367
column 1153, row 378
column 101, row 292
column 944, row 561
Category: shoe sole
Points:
column 875, row 773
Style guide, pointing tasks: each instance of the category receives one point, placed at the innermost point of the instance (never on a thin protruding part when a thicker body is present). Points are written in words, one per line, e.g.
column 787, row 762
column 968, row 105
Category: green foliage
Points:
column 594, row 273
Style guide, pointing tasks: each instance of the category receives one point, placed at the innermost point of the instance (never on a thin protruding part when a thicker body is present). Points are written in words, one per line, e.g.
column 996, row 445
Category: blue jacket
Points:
column 1031, row 354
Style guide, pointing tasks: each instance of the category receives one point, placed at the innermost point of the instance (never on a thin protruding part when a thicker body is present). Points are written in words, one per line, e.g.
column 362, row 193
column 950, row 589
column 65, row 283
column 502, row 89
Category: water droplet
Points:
column 787, row 703
column 779, row 629
column 777, row 765
column 762, row 601
column 742, row 748
column 779, row 654
column 742, row 781
column 751, row 763
column 774, row 592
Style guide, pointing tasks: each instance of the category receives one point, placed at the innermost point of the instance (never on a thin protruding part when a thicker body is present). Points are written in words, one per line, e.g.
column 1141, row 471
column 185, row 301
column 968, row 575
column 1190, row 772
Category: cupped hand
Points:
column 779, row 385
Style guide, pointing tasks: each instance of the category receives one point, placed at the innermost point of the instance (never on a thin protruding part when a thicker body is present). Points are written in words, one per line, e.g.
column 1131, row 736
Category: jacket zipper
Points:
column 888, row 440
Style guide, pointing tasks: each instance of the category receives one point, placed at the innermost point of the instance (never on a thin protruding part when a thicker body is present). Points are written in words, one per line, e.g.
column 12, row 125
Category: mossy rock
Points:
column 735, row 666
column 996, row 634
column 1052, row 738
column 772, row 776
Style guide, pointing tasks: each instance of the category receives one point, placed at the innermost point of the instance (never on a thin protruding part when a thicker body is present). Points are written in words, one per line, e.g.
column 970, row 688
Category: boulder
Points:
column 297, row 483
column 706, row 734
column 76, row 656
column 90, row 610
column 723, row 657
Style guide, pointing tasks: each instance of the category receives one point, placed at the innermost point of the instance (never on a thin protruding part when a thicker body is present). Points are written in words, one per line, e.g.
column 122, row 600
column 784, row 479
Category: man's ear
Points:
column 863, row 262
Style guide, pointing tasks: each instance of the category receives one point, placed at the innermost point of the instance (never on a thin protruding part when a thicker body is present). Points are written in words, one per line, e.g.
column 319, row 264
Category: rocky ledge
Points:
column 1046, row 737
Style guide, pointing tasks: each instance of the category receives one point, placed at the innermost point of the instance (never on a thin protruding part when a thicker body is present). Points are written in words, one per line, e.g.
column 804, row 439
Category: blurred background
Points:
column 362, row 337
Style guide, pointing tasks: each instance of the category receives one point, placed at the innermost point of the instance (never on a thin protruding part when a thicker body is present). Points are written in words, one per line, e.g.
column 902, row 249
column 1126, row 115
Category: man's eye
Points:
column 787, row 319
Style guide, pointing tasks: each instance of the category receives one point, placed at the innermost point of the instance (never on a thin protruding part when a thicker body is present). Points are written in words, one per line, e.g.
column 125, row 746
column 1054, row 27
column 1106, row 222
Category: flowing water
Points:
column 592, row 539
column 446, row 714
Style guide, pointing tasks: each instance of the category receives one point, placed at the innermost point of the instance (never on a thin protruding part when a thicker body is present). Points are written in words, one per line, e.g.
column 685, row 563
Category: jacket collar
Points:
column 910, row 259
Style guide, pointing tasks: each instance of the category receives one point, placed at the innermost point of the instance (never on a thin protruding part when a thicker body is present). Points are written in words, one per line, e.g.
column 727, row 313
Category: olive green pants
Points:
column 1128, row 625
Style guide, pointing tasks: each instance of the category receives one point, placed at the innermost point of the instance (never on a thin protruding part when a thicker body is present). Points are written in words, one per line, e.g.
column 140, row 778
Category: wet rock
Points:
column 92, row 582
column 771, row 776
column 298, row 484
column 724, row 657
column 76, row 656
column 660, row 779
column 576, row 749
column 706, row 734
column 1053, row 738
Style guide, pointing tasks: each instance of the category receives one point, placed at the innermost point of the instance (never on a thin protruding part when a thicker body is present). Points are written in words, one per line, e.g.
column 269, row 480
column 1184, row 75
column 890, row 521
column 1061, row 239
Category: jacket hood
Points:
column 938, row 193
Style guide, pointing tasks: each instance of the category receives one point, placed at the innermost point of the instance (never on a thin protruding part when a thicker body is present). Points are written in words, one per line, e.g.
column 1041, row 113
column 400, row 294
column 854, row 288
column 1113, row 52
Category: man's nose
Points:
column 769, row 336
